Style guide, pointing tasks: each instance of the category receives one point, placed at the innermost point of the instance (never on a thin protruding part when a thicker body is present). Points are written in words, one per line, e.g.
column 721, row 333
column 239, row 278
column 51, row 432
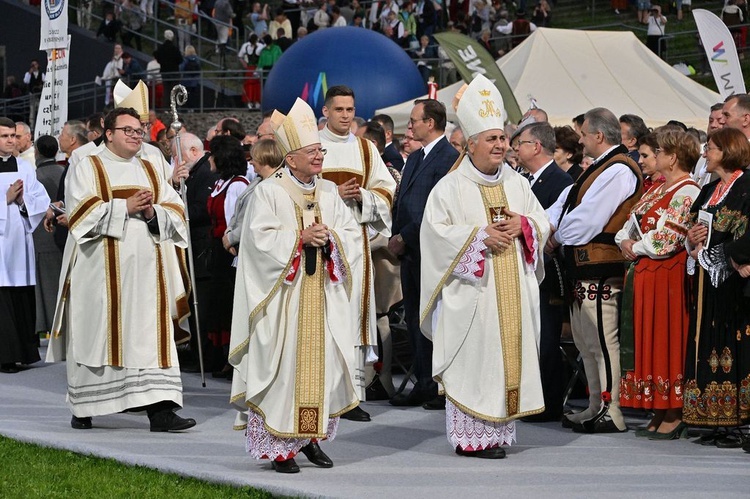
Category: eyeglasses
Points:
column 311, row 153
column 518, row 144
column 707, row 148
column 412, row 120
column 138, row 133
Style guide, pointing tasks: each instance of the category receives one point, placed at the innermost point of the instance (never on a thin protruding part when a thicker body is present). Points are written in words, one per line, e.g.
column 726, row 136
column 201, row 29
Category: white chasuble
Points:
column 293, row 325
column 485, row 330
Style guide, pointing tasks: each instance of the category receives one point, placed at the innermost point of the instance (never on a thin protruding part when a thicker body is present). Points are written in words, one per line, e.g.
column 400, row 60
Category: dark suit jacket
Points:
column 392, row 156
column 418, row 180
column 547, row 189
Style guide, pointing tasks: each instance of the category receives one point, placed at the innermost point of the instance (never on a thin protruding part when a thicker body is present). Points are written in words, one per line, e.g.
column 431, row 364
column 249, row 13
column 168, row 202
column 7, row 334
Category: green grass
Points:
column 31, row 471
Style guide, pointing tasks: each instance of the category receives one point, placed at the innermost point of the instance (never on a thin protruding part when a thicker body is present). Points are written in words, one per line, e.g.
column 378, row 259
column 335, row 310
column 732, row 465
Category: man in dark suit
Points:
column 535, row 144
column 390, row 154
column 423, row 168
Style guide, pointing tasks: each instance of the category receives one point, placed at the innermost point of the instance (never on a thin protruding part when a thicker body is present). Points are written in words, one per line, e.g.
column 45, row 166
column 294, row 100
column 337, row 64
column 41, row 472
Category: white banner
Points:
column 54, row 34
column 721, row 52
column 53, row 103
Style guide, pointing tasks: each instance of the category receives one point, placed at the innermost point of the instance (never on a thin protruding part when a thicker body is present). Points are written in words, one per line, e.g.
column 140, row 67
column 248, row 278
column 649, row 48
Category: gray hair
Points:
column 26, row 128
column 603, row 120
column 79, row 131
column 188, row 141
column 545, row 134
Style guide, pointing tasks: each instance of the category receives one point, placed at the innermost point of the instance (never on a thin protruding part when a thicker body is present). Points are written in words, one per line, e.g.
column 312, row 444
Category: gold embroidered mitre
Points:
column 480, row 108
column 136, row 98
column 297, row 129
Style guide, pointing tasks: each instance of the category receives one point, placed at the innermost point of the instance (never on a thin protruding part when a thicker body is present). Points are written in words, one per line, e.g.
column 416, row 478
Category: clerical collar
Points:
column 309, row 185
column 491, row 177
column 6, row 158
column 329, row 136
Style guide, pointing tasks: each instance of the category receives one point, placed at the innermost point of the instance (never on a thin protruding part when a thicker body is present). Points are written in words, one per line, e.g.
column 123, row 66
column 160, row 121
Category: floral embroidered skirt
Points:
column 660, row 328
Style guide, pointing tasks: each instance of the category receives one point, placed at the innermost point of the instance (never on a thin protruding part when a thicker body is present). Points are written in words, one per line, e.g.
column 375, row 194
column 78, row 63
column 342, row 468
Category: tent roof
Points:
column 569, row 72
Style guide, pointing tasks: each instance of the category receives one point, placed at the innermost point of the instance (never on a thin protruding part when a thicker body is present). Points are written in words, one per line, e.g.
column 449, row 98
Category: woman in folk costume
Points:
column 654, row 317
column 482, row 238
column 293, row 329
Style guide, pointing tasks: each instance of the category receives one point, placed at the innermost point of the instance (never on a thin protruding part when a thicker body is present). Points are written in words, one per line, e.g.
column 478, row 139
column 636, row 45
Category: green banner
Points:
column 472, row 59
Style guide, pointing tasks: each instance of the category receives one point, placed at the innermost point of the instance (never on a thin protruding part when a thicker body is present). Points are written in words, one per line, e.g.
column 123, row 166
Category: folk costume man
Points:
column 294, row 325
column 122, row 290
column 586, row 217
column 22, row 209
column 367, row 188
column 482, row 239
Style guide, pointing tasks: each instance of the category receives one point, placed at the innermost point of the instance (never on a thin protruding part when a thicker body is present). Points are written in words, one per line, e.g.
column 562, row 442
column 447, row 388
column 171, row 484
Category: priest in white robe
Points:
column 293, row 327
column 123, row 290
column 482, row 238
column 23, row 207
column 364, row 183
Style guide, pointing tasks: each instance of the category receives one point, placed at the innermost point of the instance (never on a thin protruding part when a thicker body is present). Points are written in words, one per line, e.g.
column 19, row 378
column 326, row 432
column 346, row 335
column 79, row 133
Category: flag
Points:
column 721, row 52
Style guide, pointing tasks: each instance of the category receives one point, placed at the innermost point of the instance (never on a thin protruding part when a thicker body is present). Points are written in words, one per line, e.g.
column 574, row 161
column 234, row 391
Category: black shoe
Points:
column 9, row 368
column 315, row 455
column 288, row 466
column 356, row 414
column 80, row 423
column 436, row 404
column 544, row 417
column 730, row 442
column 375, row 390
column 567, row 422
column 601, row 425
column 413, row 399
column 169, row 421
column 492, row 453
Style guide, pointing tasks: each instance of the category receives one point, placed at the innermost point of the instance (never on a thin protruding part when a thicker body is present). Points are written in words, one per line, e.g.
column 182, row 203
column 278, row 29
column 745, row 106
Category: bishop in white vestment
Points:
column 482, row 238
column 293, row 327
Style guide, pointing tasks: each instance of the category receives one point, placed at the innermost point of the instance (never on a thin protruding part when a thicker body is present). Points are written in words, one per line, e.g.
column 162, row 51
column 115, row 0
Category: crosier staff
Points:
column 178, row 96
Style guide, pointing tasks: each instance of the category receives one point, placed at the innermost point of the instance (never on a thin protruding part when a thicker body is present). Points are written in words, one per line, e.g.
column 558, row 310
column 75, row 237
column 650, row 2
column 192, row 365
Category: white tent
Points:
column 569, row 72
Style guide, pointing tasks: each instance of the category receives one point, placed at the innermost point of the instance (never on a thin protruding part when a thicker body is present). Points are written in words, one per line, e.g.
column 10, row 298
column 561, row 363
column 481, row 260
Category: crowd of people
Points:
column 302, row 237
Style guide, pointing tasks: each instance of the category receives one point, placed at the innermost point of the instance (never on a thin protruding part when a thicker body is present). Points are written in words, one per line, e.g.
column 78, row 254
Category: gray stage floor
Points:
column 401, row 453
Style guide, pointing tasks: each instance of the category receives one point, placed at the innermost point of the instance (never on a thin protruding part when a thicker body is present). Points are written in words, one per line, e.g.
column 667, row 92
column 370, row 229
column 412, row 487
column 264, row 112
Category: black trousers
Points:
column 550, row 358
column 421, row 346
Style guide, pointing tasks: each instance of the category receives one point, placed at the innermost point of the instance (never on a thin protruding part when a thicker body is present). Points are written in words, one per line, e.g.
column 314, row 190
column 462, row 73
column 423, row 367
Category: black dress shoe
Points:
column 9, row 368
column 567, row 422
column 356, row 414
column 315, row 455
column 492, row 453
column 288, row 466
column 601, row 425
column 80, row 423
column 436, row 404
column 730, row 442
column 169, row 421
column 375, row 390
column 543, row 417
column 413, row 399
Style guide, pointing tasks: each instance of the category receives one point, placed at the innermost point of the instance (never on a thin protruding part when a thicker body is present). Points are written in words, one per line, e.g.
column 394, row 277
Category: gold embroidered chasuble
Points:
column 485, row 334
column 122, row 288
column 293, row 334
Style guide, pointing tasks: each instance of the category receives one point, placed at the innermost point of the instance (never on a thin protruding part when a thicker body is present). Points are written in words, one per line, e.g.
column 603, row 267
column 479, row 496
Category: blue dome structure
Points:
column 377, row 69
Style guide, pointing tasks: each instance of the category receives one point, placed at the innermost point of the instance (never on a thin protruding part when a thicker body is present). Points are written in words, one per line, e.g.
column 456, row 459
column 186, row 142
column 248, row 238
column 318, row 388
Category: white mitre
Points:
column 136, row 98
column 297, row 129
column 480, row 107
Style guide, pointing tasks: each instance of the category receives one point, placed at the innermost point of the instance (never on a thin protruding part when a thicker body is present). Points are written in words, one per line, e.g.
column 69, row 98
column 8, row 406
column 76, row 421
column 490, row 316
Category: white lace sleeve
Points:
column 339, row 268
column 468, row 265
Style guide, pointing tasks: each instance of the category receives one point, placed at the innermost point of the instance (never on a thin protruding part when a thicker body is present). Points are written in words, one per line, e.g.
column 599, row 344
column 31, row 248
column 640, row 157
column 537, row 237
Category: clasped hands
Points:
column 501, row 234
column 315, row 235
column 15, row 193
column 350, row 190
column 141, row 202
column 697, row 236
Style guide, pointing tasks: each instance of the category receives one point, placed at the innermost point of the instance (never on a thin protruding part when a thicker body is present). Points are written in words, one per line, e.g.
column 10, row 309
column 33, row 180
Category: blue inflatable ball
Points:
column 374, row 66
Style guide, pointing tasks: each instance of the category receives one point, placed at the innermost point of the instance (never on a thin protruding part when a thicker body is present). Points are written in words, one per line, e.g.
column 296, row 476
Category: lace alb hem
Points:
column 468, row 265
column 260, row 444
column 472, row 433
